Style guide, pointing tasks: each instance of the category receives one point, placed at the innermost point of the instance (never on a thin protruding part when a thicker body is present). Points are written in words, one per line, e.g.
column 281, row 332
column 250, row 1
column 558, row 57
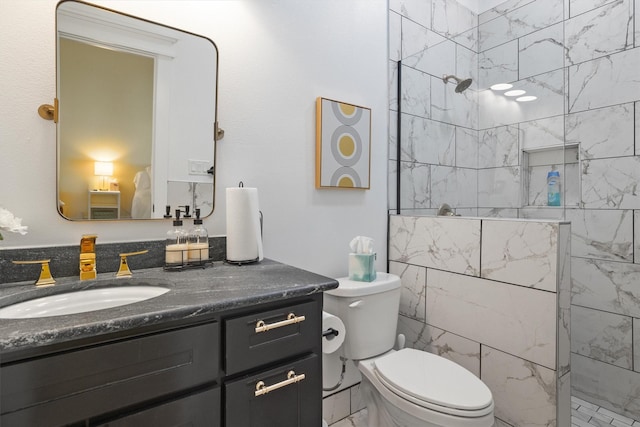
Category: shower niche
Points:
column 538, row 162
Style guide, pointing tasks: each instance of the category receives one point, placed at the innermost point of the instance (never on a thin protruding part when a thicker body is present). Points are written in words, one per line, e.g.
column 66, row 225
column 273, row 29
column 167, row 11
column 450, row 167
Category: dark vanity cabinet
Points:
column 255, row 366
column 274, row 367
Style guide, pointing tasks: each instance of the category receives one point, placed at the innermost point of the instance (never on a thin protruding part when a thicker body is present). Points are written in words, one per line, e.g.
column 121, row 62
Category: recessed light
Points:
column 526, row 98
column 516, row 92
column 501, row 86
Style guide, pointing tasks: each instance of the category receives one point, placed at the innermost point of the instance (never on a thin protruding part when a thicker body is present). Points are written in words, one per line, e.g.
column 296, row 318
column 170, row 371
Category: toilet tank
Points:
column 369, row 311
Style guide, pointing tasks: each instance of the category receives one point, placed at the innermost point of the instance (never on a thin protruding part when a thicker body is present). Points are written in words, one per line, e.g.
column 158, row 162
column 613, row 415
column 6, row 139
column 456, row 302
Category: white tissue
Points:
column 361, row 245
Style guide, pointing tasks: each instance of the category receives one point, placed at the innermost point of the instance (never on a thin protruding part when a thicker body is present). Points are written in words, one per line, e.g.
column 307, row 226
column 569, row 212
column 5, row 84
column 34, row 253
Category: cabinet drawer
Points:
column 199, row 410
column 246, row 348
column 296, row 404
column 73, row 386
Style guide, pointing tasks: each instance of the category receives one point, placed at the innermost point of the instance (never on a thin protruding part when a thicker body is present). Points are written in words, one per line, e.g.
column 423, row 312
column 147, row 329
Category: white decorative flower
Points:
column 8, row 222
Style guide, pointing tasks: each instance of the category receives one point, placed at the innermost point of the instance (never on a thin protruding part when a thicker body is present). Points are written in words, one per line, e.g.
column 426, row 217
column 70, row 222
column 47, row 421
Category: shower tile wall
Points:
column 582, row 59
column 464, row 300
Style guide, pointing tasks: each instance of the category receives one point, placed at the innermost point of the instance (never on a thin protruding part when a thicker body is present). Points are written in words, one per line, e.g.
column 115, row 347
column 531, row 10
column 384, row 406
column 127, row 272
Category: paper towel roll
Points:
column 332, row 343
column 244, row 236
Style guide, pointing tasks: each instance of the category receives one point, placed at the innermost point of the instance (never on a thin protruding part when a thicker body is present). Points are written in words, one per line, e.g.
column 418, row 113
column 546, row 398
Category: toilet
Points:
column 406, row 387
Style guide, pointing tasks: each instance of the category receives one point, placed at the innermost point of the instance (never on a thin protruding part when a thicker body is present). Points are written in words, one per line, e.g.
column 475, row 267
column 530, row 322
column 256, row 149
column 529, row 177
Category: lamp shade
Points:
column 103, row 168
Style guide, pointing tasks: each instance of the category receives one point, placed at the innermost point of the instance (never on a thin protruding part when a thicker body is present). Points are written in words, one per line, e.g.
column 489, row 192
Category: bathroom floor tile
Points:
column 358, row 419
column 585, row 414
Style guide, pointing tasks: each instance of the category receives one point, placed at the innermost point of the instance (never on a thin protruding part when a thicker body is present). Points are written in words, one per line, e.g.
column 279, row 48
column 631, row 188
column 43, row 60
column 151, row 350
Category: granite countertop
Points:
column 193, row 293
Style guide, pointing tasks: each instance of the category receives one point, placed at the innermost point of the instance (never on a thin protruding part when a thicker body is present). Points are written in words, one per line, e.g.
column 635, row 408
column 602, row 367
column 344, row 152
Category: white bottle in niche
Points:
column 553, row 188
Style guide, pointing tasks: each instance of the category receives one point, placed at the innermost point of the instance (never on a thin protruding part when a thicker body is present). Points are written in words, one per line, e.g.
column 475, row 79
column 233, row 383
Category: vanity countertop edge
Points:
column 193, row 293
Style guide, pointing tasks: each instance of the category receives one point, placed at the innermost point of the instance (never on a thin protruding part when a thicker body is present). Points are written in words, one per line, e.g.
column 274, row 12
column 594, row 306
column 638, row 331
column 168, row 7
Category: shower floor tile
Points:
column 585, row 414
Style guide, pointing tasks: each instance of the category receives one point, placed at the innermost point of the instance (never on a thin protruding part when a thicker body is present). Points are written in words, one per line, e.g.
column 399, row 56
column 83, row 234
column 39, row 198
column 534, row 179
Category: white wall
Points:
column 276, row 57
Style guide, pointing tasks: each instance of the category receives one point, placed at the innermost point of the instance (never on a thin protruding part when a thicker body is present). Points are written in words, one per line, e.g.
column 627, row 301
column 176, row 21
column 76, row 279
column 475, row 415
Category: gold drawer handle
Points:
column 291, row 319
column 292, row 378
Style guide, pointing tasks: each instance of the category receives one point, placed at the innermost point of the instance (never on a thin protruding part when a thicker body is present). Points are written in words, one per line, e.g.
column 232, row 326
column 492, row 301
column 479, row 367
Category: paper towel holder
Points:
column 250, row 261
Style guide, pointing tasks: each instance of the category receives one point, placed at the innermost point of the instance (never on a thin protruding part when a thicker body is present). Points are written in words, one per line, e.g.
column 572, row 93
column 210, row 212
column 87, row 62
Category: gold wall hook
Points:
column 45, row 278
column 124, row 270
column 48, row 111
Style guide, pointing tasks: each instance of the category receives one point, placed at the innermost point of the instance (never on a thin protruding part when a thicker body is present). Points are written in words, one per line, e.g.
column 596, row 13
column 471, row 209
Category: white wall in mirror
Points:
column 275, row 58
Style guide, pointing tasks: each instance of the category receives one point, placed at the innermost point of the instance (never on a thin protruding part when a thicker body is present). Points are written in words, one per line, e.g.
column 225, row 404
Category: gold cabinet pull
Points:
column 292, row 378
column 291, row 319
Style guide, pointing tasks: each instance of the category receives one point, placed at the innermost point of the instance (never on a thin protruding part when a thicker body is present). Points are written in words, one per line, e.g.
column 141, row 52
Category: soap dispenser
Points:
column 176, row 250
column 198, row 241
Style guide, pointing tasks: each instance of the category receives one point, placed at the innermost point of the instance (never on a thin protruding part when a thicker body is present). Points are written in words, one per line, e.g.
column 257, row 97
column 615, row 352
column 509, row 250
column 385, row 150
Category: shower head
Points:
column 461, row 86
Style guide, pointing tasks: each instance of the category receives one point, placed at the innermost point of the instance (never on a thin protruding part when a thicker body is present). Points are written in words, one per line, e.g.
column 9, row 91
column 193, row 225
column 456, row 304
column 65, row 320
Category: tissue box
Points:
column 362, row 267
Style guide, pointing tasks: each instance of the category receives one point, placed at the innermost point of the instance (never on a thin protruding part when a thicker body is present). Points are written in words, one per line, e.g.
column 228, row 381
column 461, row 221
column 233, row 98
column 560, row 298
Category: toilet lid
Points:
column 433, row 379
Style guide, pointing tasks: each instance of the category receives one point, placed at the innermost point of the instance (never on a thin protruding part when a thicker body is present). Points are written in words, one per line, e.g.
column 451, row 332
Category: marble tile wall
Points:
column 605, row 336
column 581, row 58
column 603, row 383
column 443, row 243
column 514, row 253
column 423, row 336
column 340, row 405
column 602, row 132
column 529, row 388
column 500, row 315
column 509, row 327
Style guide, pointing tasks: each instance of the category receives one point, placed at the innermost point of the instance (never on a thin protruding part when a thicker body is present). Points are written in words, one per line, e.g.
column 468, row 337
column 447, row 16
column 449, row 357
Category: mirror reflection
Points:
column 137, row 116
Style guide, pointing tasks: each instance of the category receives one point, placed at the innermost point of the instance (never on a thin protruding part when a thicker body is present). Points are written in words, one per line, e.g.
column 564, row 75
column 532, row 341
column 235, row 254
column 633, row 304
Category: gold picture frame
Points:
column 343, row 145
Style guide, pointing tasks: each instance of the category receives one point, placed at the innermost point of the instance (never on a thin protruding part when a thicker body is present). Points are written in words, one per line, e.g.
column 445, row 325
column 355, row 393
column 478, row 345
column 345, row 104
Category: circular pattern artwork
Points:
column 343, row 145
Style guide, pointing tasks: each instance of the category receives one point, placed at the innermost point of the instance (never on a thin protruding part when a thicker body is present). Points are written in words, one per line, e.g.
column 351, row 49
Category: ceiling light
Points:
column 516, row 92
column 501, row 86
column 526, row 98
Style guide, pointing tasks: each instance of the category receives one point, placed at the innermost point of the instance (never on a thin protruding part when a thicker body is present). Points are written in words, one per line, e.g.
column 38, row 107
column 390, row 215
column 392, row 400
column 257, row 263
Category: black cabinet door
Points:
column 198, row 410
column 298, row 404
column 75, row 386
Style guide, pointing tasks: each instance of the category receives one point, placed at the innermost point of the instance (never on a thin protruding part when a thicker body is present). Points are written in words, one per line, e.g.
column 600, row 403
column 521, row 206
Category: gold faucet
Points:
column 88, row 257
column 45, row 278
column 124, row 270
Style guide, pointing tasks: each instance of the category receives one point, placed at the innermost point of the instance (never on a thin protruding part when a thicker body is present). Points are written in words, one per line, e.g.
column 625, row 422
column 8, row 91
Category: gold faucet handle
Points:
column 45, row 278
column 124, row 271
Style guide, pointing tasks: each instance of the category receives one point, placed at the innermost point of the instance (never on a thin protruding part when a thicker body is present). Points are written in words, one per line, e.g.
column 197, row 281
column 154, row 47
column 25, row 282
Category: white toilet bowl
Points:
column 412, row 388
column 404, row 388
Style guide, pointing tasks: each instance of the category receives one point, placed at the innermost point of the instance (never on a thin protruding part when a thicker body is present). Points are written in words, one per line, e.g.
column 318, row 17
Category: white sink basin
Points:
column 80, row 301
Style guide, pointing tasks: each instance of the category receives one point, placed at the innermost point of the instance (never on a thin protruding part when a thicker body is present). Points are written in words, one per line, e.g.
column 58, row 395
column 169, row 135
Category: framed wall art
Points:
column 343, row 145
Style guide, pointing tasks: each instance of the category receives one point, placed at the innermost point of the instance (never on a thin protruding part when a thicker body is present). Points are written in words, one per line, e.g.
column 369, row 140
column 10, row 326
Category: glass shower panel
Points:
column 485, row 151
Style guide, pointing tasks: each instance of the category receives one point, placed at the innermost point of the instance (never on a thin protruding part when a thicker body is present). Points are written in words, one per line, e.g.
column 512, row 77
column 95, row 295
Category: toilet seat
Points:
column 434, row 383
